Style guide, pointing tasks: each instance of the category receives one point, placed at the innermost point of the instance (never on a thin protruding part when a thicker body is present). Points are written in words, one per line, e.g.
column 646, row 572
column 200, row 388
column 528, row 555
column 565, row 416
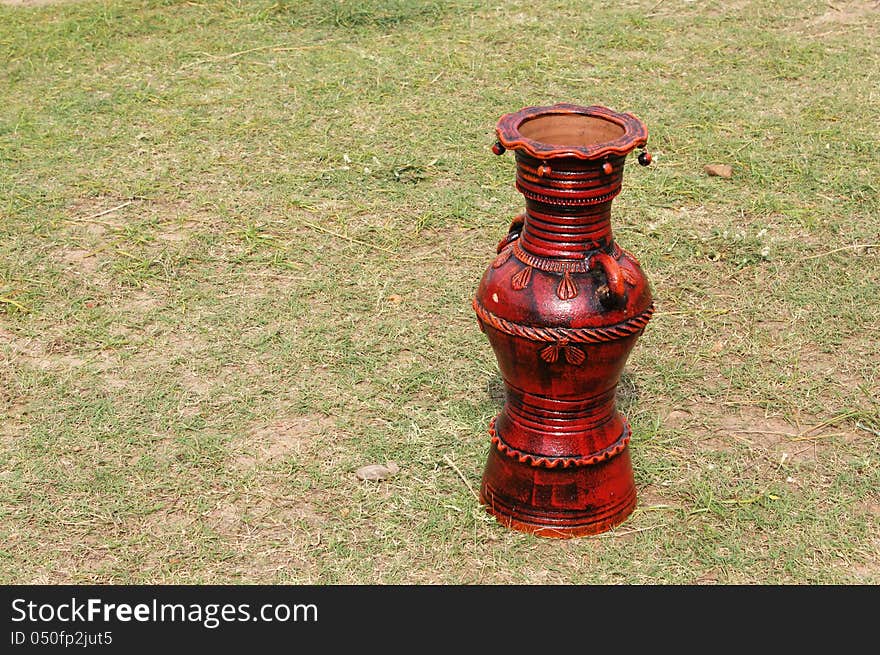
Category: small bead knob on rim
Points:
column 497, row 148
column 645, row 158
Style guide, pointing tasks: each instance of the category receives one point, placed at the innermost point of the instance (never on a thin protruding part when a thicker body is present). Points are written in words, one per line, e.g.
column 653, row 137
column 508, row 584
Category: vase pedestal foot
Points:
column 558, row 502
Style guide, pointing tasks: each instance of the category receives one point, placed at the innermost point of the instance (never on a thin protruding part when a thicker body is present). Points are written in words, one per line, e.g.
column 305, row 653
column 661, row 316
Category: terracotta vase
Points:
column 562, row 305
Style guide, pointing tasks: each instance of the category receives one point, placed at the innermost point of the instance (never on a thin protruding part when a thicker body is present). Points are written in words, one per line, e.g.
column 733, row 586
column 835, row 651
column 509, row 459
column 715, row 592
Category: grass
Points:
column 238, row 243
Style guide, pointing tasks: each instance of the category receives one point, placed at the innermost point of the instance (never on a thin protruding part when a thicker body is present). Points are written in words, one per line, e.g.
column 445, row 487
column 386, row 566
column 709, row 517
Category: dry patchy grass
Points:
column 237, row 249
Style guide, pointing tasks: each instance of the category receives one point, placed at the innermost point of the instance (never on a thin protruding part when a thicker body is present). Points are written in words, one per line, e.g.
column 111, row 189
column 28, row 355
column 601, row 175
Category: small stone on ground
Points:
column 377, row 471
column 719, row 170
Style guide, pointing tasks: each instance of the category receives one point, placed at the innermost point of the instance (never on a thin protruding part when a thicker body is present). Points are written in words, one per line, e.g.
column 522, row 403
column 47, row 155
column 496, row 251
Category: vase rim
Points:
column 588, row 133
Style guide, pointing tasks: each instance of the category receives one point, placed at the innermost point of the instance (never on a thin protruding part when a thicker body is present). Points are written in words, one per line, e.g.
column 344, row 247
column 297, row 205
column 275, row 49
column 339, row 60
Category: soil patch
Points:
column 270, row 443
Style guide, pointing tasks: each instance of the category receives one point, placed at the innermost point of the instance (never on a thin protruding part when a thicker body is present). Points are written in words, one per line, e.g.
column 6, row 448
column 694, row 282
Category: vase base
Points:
column 559, row 531
column 558, row 503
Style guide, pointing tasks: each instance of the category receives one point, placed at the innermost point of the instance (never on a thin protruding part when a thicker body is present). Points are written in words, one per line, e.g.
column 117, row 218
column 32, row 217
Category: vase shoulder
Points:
column 553, row 292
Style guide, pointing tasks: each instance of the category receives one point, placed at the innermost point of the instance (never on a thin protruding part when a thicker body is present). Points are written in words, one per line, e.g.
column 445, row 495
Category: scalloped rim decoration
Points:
column 552, row 462
column 635, row 134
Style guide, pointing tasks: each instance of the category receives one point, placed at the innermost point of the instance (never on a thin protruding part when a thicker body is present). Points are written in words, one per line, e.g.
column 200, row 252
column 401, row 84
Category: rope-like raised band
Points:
column 561, row 462
column 573, row 335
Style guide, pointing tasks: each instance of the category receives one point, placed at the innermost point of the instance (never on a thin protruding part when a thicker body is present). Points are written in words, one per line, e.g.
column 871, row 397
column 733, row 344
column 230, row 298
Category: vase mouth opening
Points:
column 565, row 130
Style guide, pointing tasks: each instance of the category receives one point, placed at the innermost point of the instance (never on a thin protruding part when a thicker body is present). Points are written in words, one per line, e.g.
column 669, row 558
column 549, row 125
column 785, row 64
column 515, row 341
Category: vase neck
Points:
column 554, row 232
column 568, row 204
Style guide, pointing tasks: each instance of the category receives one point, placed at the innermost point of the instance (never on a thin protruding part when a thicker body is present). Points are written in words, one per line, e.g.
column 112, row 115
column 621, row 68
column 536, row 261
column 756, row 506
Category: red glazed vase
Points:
column 562, row 305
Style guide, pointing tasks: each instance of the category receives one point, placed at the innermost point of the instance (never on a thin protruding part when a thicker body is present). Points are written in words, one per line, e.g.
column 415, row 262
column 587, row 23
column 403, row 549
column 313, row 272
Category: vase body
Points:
column 562, row 306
